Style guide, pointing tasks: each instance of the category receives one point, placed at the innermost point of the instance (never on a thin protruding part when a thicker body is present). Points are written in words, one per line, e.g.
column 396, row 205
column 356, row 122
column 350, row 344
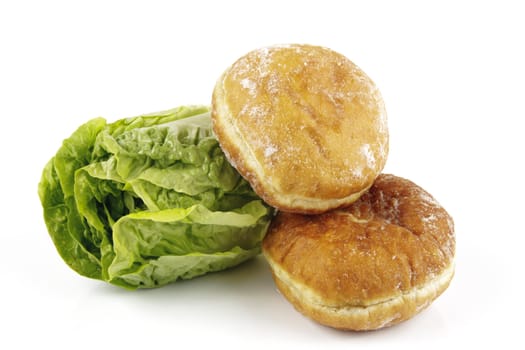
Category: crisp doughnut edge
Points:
column 242, row 158
column 384, row 313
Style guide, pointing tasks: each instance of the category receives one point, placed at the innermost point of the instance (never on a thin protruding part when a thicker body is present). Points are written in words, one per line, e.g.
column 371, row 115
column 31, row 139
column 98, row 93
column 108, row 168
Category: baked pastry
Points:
column 303, row 124
column 373, row 264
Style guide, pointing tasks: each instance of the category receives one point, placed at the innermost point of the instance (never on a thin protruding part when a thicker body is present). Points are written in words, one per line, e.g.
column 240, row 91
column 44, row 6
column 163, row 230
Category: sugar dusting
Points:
column 429, row 219
column 250, row 85
column 269, row 150
column 425, row 197
column 254, row 111
column 366, row 151
column 264, row 54
column 388, row 206
column 357, row 171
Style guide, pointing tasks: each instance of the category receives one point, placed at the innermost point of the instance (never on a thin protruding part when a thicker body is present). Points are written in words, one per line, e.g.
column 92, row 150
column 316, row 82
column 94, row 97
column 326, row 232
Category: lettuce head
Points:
column 145, row 201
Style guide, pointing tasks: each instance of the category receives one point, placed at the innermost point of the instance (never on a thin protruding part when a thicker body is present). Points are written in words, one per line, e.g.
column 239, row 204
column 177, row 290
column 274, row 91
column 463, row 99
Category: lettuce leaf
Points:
column 145, row 201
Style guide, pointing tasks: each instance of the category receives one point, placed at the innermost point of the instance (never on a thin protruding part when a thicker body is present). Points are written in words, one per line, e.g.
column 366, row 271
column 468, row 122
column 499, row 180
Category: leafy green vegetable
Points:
column 144, row 201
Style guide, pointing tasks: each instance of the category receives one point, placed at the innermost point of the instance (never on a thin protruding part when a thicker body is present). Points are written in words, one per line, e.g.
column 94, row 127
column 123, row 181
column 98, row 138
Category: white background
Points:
column 452, row 75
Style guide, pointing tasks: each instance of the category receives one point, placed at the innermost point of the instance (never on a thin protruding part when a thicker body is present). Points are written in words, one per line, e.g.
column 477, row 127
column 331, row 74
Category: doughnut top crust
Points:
column 303, row 124
column 394, row 240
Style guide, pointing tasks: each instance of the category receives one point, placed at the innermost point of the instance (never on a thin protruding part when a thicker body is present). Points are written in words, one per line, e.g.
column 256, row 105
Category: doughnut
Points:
column 370, row 265
column 303, row 124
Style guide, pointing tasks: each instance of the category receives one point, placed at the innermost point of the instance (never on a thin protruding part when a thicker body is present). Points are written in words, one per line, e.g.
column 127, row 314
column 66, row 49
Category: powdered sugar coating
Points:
column 368, row 155
column 269, row 150
column 250, row 85
column 396, row 201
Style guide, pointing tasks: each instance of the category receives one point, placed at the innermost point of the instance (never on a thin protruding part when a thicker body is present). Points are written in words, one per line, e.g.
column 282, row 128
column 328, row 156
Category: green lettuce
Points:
column 144, row 201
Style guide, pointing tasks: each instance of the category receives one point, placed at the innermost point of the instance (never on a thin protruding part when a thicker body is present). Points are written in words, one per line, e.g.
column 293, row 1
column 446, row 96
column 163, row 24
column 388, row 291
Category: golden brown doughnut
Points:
column 373, row 264
column 303, row 124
